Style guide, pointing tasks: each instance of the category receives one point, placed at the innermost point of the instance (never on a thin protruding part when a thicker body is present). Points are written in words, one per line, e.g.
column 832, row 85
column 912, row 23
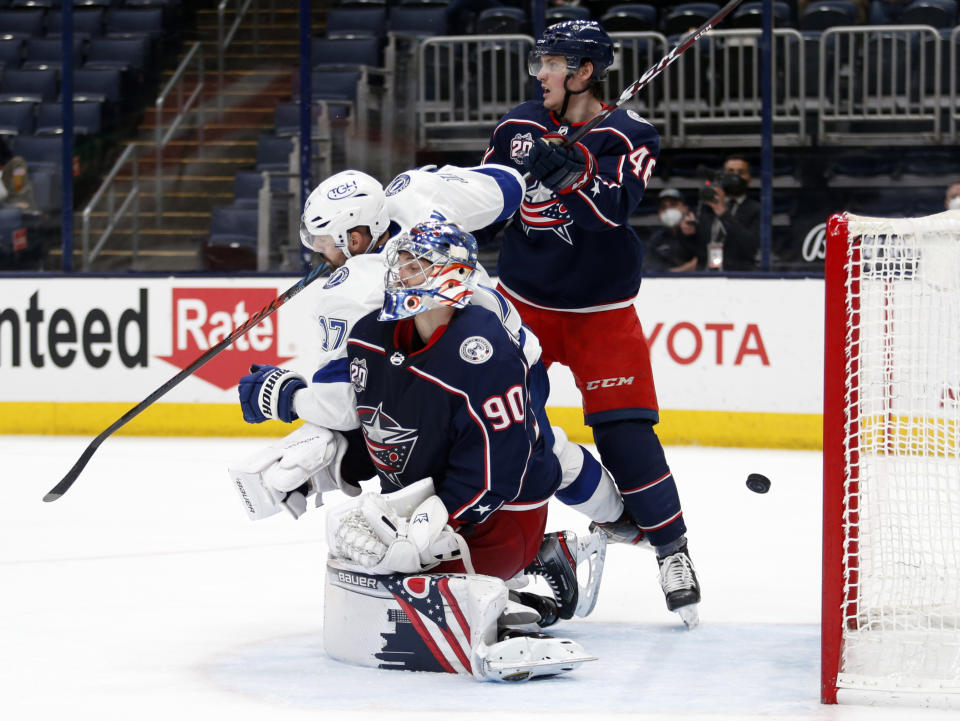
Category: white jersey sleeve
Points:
column 350, row 293
column 473, row 198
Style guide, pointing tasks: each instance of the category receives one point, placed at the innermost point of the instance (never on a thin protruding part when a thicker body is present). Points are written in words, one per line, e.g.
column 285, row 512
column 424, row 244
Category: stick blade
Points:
column 51, row 496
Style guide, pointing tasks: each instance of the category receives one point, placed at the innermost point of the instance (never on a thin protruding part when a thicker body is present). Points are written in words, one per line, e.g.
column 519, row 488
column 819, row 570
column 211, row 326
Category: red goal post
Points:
column 891, row 461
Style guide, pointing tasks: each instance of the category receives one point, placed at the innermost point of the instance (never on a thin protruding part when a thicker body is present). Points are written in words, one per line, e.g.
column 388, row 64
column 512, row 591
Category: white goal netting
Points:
column 901, row 535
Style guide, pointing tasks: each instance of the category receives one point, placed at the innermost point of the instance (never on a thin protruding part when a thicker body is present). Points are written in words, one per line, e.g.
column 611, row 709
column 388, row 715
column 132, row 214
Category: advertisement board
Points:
column 736, row 361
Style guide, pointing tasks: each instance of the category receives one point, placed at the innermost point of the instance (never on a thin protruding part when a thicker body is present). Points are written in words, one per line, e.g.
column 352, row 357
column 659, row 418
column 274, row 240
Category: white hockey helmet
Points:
column 343, row 202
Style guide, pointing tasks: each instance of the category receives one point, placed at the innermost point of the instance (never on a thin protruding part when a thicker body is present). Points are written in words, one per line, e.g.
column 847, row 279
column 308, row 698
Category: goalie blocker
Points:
column 444, row 623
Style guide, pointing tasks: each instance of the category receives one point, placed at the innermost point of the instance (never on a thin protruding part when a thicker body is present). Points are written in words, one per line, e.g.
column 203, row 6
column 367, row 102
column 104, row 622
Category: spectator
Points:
column 728, row 222
column 15, row 186
column 952, row 199
column 674, row 247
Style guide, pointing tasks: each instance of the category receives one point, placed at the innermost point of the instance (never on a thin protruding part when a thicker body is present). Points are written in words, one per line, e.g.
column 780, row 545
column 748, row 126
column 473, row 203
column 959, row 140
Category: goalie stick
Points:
column 653, row 71
column 68, row 480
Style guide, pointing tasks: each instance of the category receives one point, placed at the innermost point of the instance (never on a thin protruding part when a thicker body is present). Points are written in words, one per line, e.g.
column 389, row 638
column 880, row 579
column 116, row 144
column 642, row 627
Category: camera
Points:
column 732, row 184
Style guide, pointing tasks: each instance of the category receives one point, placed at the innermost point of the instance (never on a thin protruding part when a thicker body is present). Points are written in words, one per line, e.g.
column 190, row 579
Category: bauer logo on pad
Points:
column 202, row 317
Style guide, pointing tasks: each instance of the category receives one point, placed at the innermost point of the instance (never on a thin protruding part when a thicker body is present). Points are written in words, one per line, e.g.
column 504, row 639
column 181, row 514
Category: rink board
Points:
column 737, row 362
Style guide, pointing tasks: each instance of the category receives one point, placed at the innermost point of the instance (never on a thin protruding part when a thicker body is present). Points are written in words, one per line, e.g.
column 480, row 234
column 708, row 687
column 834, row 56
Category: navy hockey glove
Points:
column 562, row 169
column 267, row 393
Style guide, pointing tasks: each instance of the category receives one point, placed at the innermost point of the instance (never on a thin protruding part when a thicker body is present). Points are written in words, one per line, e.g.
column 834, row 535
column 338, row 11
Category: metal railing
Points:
column 879, row 82
column 115, row 215
column 162, row 138
column 465, row 84
column 713, row 90
column 225, row 37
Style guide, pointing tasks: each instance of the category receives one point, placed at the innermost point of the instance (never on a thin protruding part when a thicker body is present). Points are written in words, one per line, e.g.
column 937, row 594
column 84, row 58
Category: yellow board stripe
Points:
column 706, row 428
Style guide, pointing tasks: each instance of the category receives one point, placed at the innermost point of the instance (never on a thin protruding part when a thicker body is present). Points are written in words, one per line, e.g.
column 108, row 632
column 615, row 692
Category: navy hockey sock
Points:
column 632, row 453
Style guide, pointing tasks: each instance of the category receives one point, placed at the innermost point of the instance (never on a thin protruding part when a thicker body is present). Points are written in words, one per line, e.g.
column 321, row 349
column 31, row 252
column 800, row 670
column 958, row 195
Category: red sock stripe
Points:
column 670, row 520
column 424, row 634
column 644, row 487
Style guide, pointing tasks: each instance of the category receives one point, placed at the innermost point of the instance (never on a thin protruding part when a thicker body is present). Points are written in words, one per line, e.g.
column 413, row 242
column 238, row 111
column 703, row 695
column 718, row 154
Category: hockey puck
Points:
column 758, row 483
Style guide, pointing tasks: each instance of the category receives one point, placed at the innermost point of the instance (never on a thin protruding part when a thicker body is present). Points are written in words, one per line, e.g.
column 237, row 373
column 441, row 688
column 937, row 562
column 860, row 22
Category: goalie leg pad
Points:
column 585, row 485
column 423, row 622
column 435, row 622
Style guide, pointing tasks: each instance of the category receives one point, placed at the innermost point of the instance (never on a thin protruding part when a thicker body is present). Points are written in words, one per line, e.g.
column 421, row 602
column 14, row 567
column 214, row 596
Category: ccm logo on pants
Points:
column 609, row 383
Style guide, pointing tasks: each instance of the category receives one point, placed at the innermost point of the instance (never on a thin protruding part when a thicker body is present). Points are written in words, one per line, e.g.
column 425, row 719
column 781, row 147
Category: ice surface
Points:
column 145, row 593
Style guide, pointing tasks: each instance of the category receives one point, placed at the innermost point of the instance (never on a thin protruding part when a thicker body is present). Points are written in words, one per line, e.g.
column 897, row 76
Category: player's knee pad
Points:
column 632, row 452
column 585, row 485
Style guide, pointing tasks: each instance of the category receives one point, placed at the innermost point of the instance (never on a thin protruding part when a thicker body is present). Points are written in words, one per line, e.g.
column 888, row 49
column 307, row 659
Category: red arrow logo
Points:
column 202, row 317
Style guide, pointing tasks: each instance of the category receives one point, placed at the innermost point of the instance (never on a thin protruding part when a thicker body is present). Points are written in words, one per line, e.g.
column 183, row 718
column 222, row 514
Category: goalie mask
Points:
column 339, row 204
column 433, row 265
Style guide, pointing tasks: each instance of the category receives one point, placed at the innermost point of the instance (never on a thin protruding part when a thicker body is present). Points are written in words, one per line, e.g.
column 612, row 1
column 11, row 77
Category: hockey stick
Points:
column 64, row 485
column 653, row 71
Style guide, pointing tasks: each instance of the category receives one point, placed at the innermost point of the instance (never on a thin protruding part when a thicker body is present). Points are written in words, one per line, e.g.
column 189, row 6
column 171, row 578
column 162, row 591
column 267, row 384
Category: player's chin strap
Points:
column 567, row 92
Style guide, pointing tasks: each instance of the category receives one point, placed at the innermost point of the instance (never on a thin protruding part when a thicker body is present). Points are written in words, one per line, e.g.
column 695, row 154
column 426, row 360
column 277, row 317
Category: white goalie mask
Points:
column 339, row 204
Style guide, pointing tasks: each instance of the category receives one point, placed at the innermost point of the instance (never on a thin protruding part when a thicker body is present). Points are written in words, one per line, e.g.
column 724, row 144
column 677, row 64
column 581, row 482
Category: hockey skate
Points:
column 678, row 579
column 522, row 655
column 558, row 560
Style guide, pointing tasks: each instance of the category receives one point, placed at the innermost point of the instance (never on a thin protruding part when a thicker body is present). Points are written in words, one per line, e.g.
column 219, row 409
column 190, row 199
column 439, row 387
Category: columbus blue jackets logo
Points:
column 520, row 147
column 476, row 349
column 541, row 210
column 388, row 443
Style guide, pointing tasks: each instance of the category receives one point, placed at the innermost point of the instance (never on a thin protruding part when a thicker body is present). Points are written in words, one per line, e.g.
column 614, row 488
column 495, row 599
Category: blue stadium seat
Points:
column 345, row 51
column 87, row 118
column 502, row 21
column 32, row 86
column 681, row 19
column 130, row 54
column 132, row 22
column 11, row 53
column 420, row 21
column 232, row 244
column 936, row 13
column 286, row 118
column 87, row 23
column 421, row 3
column 273, row 153
column 47, row 53
column 750, row 15
column 630, row 18
column 16, row 118
column 824, row 14
column 357, row 21
column 560, row 13
column 246, row 187
column 97, row 84
column 22, row 23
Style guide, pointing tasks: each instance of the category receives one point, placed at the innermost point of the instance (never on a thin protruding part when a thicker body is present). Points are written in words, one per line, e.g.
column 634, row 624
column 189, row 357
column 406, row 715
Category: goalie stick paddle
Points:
column 68, row 480
column 653, row 71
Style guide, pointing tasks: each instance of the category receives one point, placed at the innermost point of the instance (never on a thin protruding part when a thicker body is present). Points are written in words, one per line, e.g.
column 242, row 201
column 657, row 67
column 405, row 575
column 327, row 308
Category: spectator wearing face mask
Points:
column 952, row 199
column 673, row 247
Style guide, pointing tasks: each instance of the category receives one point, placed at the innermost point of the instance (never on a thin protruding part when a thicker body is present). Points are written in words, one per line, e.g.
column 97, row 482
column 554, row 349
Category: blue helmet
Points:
column 576, row 40
column 432, row 265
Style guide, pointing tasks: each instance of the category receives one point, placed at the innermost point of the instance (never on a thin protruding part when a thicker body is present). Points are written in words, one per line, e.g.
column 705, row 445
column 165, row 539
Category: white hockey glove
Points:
column 285, row 474
column 381, row 535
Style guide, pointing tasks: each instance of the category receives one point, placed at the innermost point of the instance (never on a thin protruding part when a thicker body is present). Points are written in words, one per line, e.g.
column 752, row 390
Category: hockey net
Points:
column 891, row 556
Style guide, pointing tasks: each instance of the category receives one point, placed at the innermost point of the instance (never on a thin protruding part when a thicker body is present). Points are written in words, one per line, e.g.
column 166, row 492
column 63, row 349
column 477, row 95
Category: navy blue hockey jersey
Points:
column 456, row 411
column 576, row 250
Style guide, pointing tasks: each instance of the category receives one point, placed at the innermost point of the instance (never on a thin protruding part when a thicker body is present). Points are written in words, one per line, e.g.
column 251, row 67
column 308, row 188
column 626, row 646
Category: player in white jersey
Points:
column 348, row 218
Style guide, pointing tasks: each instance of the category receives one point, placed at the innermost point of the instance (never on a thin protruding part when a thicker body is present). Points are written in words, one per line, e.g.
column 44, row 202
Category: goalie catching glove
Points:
column 563, row 169
column 285, row 474
column 401, row 532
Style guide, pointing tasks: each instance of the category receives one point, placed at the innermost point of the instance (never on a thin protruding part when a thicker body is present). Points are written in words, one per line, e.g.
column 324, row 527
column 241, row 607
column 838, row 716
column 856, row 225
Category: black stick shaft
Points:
column 68, row 480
